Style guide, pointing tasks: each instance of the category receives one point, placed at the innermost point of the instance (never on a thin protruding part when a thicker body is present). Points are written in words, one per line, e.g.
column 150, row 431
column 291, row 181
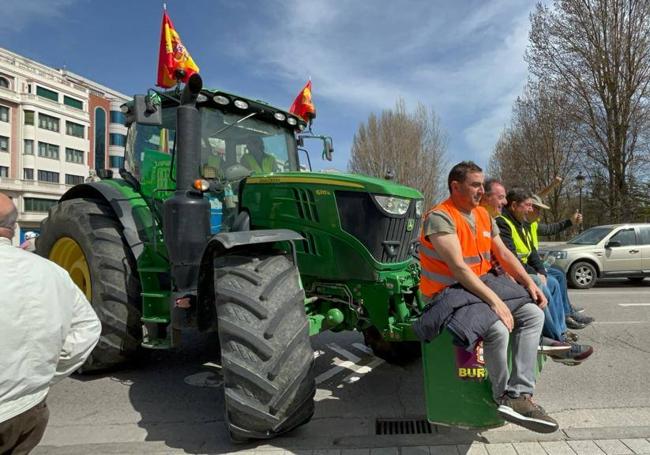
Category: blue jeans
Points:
column 554, row 315
column 561, row 278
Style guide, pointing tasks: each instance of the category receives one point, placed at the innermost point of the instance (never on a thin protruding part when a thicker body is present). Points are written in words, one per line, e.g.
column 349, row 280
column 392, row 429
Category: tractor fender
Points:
column 124, row 200
column 218, row 245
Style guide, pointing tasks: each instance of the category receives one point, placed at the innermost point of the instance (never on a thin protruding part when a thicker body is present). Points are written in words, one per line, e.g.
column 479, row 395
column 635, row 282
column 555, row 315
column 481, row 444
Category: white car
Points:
column 611, row 251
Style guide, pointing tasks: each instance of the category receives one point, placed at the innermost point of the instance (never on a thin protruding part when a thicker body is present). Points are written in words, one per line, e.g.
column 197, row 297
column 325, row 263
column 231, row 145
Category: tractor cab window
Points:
column 154, row 142
column 259, row 146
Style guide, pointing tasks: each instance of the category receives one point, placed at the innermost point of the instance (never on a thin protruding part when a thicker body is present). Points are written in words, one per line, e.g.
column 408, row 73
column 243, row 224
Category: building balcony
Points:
column 33, row 186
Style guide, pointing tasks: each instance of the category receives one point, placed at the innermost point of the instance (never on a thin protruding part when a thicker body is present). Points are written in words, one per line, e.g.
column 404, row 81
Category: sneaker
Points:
column 578, row 354
column 570, row 337
column 550, row 345
column 524, row 412
column 582, row 319
column 573, row 324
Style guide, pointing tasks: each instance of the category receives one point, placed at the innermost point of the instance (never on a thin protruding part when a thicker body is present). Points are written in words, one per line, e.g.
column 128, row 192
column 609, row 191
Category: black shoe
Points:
column 523, row 411
column 573, row 324
column 582, row 319
column 570, row 337
column 578, row 354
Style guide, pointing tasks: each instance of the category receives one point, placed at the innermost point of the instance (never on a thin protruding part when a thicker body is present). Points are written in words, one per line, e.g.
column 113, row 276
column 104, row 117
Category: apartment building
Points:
column 55, row 126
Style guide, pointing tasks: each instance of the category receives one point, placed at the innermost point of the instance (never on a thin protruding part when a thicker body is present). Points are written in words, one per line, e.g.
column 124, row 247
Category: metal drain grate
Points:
column 403, row 426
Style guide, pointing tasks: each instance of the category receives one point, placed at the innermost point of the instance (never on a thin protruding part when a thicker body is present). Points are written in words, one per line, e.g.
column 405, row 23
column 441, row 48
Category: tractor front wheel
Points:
column 267, row 358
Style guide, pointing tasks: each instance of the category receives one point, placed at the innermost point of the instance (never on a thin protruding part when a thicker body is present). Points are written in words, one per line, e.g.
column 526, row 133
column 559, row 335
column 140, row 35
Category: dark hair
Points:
column 489, row 182
column 459, row 172
column 518, row 195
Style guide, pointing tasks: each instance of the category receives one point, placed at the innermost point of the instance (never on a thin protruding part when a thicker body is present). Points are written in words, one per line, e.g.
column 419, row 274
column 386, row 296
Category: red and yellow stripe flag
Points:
column 302, row 106
column 174, row 62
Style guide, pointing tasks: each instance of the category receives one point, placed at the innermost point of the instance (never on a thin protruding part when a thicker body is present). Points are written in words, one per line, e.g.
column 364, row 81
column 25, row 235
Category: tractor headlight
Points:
column 393, row 205
column 419, row 206
column 241, row 104
column 220, row 99
column 279, row 116
column 292, row 121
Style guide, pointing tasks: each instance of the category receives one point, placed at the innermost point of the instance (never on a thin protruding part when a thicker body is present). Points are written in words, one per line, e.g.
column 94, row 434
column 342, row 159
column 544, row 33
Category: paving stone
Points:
column 417, row 450
column 298, row 452
column 326, row 452
column 501, row 449
column 475, row 448
column 557, row 448
column 385, row 451
column 613, row 447
column 443, row 450
column 355, row 452
column 637, row 445
column 529, row 448
column 585, row 448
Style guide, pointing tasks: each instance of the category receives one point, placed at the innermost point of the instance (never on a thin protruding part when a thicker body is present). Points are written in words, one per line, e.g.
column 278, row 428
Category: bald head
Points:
column 8, row 216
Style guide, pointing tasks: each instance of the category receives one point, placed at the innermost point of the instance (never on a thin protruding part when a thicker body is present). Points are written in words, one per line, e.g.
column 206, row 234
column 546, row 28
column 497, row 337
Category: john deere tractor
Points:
column 214, row 224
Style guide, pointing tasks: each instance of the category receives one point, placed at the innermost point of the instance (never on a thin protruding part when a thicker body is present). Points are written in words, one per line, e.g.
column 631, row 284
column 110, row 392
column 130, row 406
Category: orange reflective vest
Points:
column 436, row 275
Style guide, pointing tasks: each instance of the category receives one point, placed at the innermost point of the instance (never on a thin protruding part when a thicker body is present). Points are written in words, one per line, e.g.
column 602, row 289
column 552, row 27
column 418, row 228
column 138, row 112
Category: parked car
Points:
column 611, row 251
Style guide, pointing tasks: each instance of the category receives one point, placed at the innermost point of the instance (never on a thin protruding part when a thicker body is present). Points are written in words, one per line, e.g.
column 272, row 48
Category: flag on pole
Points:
column 302, row 106
column 174, row 62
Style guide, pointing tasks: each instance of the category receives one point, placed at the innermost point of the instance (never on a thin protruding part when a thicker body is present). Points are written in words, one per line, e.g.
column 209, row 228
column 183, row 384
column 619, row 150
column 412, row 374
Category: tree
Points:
column 410, row 146
column 598, row 51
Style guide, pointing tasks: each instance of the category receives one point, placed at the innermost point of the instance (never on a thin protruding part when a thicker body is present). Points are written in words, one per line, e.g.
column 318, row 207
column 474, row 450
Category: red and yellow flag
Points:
column 173, row 56
column 302, row 106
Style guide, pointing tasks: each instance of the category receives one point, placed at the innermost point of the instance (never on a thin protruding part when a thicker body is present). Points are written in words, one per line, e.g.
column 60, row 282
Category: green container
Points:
column 452, row 401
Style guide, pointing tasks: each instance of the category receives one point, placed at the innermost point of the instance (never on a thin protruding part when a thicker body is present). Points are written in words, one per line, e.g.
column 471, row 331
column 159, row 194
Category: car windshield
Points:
column 591, row 236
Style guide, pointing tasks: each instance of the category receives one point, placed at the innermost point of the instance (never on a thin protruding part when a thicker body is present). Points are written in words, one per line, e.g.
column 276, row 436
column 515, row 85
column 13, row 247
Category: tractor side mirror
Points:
column 146, row 110
column 328, row 148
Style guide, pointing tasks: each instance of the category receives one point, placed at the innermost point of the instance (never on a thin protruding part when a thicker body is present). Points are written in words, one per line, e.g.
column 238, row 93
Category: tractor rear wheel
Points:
column 267, row 358
column 394, row 352
column 85, row 238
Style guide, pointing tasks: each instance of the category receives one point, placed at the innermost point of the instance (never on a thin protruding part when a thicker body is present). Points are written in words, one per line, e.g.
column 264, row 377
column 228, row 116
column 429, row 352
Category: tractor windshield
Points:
column 228, row 139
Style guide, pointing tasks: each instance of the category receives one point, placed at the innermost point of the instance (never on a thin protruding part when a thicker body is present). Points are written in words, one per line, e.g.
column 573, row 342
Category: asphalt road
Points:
column 174, row 399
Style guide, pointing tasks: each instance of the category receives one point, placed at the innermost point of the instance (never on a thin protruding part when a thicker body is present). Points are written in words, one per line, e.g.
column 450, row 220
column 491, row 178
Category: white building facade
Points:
column 55, row 127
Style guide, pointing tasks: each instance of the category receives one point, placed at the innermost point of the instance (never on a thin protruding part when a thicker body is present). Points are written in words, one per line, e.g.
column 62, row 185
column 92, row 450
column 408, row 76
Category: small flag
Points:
column 174, row 62
column 302, row 106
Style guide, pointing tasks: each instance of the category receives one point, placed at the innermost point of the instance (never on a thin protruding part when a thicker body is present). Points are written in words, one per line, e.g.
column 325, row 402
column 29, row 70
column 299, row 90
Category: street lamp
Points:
column 580, row 182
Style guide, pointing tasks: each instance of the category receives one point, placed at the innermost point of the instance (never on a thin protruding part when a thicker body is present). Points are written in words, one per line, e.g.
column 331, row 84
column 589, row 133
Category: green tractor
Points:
column 215, row 225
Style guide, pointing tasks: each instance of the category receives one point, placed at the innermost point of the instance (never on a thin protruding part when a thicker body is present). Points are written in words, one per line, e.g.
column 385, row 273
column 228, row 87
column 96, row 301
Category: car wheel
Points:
column 582, row 275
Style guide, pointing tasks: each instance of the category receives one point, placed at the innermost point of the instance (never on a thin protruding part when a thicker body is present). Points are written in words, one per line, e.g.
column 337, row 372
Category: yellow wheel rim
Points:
column 69, row 255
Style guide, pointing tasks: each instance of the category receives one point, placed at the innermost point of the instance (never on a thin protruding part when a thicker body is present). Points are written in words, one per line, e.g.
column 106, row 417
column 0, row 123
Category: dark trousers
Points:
column 20, row 434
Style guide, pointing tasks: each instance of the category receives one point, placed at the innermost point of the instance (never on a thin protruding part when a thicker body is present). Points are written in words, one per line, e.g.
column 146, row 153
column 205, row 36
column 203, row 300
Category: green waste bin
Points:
column 450, row 400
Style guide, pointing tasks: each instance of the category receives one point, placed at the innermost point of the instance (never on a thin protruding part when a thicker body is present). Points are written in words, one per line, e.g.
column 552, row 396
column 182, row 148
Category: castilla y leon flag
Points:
column 173, row 57
column 302, row 105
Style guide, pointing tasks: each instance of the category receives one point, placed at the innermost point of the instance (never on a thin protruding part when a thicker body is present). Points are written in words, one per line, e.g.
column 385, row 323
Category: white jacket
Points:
column 47, row 328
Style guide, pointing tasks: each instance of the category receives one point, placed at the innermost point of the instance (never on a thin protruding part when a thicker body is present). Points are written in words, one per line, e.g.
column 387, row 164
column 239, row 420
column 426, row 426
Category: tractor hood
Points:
column 344, row 181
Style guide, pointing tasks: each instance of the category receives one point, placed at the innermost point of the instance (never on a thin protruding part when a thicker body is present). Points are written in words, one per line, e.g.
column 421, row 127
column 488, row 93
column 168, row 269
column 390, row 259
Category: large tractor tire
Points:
column 267, row 358
column 399, row 353
column 85, row 238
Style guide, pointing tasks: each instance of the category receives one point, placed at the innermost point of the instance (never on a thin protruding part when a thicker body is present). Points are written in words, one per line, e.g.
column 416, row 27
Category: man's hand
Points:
column 538, row 296
column 576, row 218
column 504, row 314
column 542, row 278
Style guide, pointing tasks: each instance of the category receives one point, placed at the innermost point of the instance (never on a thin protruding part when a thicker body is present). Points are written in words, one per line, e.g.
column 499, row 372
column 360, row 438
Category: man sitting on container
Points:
column 457, row 241
column 257, row 160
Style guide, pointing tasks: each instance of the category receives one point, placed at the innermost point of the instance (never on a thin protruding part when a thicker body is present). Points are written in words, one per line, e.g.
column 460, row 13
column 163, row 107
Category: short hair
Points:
column 489, row 182
column 459, row 172
column 518, row 195
column 8, row 220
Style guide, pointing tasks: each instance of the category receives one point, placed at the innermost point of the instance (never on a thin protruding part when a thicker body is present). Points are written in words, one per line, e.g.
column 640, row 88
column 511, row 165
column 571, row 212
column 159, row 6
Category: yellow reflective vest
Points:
column 523, row 246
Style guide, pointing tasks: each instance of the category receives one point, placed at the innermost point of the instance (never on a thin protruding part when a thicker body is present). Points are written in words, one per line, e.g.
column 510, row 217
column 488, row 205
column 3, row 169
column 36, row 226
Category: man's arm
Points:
column 512, row 265
column 81, row 338
column 448, row 247
column 553, row 228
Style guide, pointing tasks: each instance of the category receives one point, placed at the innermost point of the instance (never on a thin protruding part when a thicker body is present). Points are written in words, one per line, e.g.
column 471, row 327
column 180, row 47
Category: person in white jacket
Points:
column 47, row 330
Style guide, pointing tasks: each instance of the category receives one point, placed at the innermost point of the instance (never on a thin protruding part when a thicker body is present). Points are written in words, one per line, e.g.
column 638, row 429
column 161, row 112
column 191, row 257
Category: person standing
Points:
column 457, row 241
column 48, row 330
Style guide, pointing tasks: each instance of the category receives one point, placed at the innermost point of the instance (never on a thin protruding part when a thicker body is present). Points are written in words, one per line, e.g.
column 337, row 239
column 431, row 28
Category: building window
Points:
column 4, row 82
column 48, row 176
column 48, row 151
column 47, row 94
column 118, row 117
column 28, row 174
column 4, row 114
column 74, row 129
column 100, row 138
column 72, row 102
column 33, row 204
column 4, row 144
column 29, row 117
column 116, row 161
column 47, row 122
column 74, row 156
column 73, row 179
column 117, row 139
column 28, row 148
column 4, row 171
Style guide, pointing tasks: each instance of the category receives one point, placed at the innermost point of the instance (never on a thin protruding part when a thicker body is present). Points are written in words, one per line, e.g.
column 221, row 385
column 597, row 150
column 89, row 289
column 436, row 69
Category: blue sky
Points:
column 463, row 59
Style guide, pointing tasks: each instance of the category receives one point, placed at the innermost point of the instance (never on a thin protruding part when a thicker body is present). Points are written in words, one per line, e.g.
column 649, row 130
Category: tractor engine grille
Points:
column 389, row 238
